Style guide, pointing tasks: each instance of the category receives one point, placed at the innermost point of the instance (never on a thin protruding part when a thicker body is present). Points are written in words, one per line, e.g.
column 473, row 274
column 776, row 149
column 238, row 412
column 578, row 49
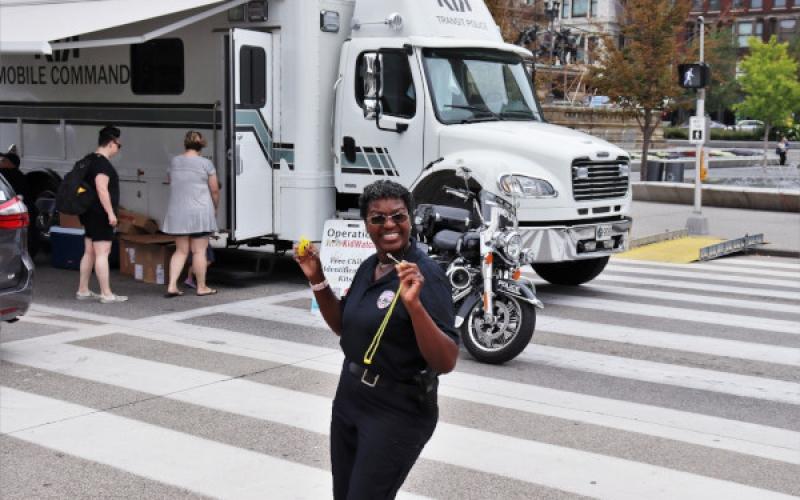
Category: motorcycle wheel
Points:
column 502, row 341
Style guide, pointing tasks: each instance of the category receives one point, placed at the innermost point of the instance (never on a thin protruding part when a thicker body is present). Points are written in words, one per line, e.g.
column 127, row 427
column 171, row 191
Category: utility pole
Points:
column 697, row 223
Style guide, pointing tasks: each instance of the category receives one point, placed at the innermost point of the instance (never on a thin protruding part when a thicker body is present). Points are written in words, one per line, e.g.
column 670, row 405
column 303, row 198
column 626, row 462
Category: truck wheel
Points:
column 574, row 272
column 506, row 337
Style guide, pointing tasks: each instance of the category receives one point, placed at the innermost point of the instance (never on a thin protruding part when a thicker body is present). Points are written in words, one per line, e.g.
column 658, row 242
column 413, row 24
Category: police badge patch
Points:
column 385, row 299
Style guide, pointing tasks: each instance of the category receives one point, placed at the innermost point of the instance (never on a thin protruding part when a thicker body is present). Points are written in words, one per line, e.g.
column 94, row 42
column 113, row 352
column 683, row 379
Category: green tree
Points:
column 770, row 85
column 640, row 75
column 721, row 54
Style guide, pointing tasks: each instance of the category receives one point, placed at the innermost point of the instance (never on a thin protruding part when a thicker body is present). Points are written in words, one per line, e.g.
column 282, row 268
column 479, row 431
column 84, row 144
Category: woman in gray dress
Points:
column 191, row 213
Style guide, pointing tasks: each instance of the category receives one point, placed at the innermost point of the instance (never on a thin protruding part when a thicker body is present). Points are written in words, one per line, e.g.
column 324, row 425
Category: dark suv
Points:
column 16, row 266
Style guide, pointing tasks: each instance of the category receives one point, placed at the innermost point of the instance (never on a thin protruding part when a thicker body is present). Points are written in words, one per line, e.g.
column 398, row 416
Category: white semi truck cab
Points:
column 304, row 103
column 432, row 83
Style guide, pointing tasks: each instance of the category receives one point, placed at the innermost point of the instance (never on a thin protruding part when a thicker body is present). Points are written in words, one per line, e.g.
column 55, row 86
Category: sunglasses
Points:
column 380, row 219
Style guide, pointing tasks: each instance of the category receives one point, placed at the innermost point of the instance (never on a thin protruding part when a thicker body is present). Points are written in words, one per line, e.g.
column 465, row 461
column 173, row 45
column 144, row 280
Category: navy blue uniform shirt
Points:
column 367, row 302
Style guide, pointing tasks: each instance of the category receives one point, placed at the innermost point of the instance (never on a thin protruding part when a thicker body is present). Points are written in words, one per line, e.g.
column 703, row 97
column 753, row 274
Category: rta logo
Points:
column 63, row 54
column 456, row 5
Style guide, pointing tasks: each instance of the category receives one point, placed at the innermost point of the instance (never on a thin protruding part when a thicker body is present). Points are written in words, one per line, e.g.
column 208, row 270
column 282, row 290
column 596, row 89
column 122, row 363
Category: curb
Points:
column 719, row 196
column 775, row 252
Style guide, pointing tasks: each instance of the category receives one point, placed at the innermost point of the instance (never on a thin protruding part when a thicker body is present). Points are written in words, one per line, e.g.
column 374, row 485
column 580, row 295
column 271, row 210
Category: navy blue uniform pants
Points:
column 376, row 436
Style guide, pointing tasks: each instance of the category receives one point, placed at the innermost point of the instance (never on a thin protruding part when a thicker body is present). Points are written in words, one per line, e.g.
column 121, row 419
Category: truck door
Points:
column 388, row 145
column 250, row 98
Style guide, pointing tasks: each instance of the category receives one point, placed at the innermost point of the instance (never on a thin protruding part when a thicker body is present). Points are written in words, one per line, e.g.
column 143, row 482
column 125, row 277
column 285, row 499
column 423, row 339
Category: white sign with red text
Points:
column 345, row 245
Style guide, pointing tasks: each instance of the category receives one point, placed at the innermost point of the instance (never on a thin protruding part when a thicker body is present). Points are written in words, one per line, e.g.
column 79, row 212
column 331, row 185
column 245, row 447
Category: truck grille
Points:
column 606, row 179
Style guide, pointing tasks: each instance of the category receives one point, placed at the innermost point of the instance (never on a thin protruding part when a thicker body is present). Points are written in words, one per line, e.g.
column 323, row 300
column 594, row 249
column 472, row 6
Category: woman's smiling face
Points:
column 390, row 236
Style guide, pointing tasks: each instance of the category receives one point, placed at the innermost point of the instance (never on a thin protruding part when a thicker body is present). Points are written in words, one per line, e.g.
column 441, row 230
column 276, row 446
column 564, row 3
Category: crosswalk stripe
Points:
column 677, row 272
column 545, row 464
column 788, row 264
column 733, row 270
column 665, row 340
column 752, row 271
column 709, row 431
column 172, row 457
column 678, row 313
column 697, row 300
column 610, row 275
column 662, row 373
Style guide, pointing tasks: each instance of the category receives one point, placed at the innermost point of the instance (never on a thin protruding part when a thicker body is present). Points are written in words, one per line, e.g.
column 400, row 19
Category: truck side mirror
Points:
column 372, row 85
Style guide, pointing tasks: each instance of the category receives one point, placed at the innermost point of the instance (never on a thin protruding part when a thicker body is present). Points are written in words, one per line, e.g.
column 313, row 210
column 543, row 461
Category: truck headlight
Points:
column 522, row 185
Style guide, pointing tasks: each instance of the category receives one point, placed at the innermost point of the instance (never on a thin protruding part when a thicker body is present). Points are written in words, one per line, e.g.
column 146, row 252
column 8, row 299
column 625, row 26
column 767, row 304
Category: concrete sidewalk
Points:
column 781, row 229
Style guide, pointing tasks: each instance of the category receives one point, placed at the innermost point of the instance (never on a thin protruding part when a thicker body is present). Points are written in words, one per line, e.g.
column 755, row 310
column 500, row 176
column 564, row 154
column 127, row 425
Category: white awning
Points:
column 29, row 26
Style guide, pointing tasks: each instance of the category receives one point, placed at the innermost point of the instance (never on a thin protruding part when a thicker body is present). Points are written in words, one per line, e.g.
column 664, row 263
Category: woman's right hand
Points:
column 310, row 263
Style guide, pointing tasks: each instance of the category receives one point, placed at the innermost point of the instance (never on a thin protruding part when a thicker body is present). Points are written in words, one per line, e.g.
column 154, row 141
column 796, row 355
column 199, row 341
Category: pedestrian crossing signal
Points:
column 694, row 76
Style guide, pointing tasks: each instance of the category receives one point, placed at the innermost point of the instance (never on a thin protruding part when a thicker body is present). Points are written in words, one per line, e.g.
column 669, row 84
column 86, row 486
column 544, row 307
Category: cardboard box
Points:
column 69, row 221
column 129, row 221
column 127, row 257
column 152, row 263
column 146, row 257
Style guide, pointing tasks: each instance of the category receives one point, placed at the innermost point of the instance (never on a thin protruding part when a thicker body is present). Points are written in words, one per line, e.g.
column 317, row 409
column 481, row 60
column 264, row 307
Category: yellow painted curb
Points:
column 677, row 251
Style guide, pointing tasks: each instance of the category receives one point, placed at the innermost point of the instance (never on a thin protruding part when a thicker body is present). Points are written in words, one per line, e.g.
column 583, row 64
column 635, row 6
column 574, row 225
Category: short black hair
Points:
column 107, row 134
column 12, row 157
column 381, row 190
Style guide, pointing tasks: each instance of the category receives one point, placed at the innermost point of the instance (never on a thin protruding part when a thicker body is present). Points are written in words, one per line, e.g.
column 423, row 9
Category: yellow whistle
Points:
column 302, row 246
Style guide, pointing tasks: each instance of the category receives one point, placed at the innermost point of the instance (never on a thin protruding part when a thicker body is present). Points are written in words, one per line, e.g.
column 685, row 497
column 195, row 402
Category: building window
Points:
column 713, row 5
column 778, row 4
column 697, row 5
column 787, row 29
column 580, row 8
column 756, row 4
column 746, row 29
column 593, row 8
column 252, row 77
column 565, row 9
column 738, row 4
column 157, row 67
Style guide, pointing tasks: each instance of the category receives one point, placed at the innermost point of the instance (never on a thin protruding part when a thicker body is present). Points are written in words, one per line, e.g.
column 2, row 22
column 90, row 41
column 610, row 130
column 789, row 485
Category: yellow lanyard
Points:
column 376, row 340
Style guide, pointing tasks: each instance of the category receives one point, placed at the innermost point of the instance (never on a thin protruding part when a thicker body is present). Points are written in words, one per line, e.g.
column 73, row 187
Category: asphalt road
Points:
column 655, row 381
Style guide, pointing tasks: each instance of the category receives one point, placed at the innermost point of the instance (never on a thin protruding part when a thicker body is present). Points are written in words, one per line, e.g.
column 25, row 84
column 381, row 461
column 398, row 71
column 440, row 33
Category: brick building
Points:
column 759, row 18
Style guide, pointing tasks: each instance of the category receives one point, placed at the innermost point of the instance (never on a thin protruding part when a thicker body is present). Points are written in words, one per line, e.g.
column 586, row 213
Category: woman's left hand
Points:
column 412, row 280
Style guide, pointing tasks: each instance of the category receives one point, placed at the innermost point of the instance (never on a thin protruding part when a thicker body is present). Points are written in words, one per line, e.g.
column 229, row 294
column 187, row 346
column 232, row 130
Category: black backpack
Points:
column 75, row 195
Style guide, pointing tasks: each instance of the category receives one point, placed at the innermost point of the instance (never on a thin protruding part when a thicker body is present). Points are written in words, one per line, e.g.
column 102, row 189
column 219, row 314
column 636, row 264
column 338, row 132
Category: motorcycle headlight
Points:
column 527, row 256
column 512, row 245
column 522, row 185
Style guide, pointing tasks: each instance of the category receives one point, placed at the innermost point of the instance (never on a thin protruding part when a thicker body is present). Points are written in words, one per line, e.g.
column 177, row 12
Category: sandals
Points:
column 170, row 295
column 90, row 295
column 111, row 299
column 211, row 292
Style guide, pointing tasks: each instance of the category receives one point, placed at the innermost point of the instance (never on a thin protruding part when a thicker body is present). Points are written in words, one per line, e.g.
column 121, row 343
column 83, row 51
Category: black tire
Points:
column 574, row 272
column 41, row 184
column 504, row 340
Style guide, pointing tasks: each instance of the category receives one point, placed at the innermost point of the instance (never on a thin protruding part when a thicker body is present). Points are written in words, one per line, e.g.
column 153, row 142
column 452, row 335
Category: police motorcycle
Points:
column 480, row 249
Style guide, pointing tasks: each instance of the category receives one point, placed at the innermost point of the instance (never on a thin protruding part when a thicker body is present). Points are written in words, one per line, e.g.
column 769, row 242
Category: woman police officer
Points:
column 385, row 408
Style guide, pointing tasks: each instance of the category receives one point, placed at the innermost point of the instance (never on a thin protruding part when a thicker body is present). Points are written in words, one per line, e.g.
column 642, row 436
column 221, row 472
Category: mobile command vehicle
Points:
column 304, row 103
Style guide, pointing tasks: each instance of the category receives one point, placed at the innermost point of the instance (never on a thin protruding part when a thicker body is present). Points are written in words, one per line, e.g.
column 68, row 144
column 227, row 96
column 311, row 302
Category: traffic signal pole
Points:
column 698, row 224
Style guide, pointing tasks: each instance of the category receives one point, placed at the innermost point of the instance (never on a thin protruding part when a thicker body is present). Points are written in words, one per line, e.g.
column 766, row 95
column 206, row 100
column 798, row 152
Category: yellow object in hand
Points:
column 302, row 246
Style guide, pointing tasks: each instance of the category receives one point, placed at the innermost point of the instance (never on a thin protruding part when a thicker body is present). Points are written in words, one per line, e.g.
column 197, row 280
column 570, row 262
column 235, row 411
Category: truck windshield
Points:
column 479, row 85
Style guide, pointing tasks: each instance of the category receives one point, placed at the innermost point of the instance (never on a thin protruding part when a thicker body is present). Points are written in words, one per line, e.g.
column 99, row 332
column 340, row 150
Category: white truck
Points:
column 304, row 103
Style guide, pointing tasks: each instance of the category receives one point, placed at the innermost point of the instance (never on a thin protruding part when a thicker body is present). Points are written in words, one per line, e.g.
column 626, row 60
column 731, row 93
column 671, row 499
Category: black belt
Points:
column 419, row 387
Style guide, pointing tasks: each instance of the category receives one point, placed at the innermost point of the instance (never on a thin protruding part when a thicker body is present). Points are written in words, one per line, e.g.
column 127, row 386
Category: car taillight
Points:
column 13, row 214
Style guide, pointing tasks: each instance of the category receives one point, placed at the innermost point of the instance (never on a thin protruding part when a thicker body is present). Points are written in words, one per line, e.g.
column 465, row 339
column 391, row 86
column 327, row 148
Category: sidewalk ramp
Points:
column 677, row 251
